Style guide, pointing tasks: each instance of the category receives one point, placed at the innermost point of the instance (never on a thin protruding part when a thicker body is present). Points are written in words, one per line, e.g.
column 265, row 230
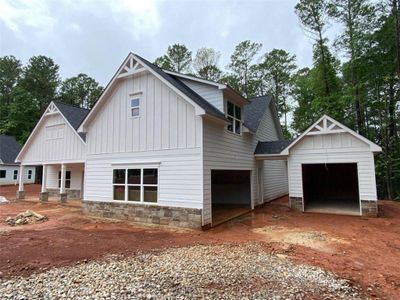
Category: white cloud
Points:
column 137, row 16
column 31, row 13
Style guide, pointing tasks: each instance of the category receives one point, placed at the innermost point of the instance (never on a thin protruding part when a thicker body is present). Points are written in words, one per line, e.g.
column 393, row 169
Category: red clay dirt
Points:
column 363, row 250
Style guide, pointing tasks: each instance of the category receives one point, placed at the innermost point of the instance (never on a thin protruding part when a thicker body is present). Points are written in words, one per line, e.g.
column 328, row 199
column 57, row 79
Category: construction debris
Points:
column 28, row 217
column 3, row 200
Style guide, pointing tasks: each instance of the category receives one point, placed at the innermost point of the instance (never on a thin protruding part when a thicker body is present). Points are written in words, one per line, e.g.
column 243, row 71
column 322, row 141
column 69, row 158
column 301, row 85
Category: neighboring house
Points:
column 161, row 147
column 9, row 169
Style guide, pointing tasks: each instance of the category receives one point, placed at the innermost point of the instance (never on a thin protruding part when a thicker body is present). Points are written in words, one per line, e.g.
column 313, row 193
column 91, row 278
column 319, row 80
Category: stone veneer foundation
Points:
column 70, row 193
column 369, row 208
column 296, row 203
column 145, row 213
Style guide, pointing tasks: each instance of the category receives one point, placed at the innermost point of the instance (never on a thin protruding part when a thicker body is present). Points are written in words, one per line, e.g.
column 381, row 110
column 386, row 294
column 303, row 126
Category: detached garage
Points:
column 331, row 169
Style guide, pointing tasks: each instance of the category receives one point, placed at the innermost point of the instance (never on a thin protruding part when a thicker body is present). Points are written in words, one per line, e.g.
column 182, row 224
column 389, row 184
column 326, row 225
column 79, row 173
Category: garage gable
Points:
column 328, row 133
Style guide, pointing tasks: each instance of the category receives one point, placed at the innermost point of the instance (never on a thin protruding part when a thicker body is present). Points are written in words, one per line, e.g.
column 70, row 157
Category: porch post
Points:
column 21, row 192
column 44, row 195
column 63, row 194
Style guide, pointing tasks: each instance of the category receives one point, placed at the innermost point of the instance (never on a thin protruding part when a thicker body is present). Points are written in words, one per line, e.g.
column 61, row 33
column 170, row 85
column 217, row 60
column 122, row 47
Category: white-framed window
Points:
column 3, row 173
column 29, row 174
column 135, row 184
column 234, row 116
column 135, row 106
column 67, row 179
column 15, row 175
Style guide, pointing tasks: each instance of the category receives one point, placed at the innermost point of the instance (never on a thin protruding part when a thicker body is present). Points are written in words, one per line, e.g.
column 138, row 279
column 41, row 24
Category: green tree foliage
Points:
column 22, row 115
column 241, row 63
column 10, row 72
column 80, row 90
column 205, row 64
column 178, row 59
column 277, row 68
column 40, row 79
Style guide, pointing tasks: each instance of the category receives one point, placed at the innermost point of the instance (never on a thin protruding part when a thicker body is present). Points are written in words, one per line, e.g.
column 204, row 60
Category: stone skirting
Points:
column 44, row 196
column 144, row 213
column 296, row 203
column 20, row 195
column 71, row 194
column 369, row 208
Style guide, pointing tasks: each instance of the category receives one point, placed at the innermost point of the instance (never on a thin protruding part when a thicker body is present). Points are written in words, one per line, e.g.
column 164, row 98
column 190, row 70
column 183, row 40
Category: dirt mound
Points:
column 27, row 217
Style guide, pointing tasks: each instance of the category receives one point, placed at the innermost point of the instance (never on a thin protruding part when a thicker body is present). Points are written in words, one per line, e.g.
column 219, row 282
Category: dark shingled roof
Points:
column 272, row 147
column 204, row 104
column 254, row 111
column 9, row 149
column 74, row 114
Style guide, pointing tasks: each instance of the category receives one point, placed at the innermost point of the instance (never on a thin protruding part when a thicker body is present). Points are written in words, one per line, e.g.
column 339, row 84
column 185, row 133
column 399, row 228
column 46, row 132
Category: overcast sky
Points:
column 94, row 36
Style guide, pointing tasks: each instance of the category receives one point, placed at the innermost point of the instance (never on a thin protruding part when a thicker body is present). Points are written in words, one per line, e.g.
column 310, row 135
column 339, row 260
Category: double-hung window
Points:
column 29, row 174
column 135, row 106
column 234, row 115
column 135, row 184
column 15, row 175
column 67, row 179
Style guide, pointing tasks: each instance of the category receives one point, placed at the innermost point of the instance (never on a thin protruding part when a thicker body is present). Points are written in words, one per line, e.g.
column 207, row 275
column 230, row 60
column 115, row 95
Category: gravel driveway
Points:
column 222, row 271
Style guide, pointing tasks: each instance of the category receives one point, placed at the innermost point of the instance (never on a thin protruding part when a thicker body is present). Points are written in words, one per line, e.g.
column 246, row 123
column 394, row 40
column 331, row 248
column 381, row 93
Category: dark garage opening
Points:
column 230, row 194
column 331, row 188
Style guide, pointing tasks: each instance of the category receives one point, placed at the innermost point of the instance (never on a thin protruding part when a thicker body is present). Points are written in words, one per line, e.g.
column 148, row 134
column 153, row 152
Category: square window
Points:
column 150, row 176
column 119, row 192
column 135, row 102
column 134, row 176
column 119, row 176
column 150, row 194
column 135, row 112
column 133, row 193
column 2, row 173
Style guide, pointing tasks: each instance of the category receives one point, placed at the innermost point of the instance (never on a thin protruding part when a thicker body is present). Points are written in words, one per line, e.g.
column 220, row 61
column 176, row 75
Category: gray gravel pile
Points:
column 210, row 272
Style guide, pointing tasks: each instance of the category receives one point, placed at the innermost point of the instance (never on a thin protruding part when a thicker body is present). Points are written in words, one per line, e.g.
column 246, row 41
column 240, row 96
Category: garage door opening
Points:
column 331, row 188
column 230, row 194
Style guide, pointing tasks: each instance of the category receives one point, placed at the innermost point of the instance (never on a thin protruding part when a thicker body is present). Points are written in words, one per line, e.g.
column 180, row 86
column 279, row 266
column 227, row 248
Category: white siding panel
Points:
column 211, row 93
column 9, row 179
column 275, row 179
column 180, row 177
column 47, row 147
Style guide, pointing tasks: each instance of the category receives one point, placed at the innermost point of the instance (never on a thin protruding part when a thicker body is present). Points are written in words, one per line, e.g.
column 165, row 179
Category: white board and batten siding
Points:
column 52, row 175
column 54, row 141
column 275, row 179
column 167, row 134
column 333, row 148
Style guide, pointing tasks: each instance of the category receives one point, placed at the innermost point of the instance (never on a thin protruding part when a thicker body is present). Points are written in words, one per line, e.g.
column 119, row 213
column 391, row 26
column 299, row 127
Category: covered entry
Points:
column 331, row 188
column 230, row 194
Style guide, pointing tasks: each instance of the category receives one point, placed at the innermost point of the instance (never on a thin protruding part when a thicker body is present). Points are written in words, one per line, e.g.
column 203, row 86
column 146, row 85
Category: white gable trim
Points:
column 128, row 68
column 50, row 110
column 330, row 129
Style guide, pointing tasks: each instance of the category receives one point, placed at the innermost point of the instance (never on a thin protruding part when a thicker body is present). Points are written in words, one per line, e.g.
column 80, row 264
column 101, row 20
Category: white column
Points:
column 21, row 178
column 44, row 178
column 62, row 185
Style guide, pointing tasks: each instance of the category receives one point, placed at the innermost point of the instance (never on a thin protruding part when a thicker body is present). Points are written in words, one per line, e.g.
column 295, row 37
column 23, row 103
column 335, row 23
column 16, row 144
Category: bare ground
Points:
column 363, row 250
